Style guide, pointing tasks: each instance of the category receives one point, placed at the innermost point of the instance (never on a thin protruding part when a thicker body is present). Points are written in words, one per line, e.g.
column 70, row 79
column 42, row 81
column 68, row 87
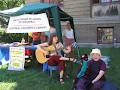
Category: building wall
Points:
column 117, row 32
column 32, row 1
column 85, row 24
column 87, row 33
column 77, row 8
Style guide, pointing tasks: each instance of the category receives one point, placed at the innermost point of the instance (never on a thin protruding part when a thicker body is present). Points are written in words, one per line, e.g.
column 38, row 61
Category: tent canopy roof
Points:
column 34, row 8
column 52, row 10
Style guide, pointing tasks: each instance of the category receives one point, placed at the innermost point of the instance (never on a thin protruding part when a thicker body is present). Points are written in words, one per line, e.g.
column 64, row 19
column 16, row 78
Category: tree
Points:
column 7, row 4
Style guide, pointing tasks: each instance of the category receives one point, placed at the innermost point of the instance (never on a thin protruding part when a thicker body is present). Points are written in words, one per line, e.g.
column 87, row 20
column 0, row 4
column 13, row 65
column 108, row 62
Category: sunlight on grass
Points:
column 8, row 85
column 3, row 67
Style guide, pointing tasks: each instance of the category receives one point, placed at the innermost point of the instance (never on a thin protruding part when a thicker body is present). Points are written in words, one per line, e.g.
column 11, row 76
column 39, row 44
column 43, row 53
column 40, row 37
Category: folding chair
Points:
column 49, row 68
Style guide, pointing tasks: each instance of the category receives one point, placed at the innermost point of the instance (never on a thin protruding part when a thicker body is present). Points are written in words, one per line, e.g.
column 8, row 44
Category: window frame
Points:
column 100, row 2
column 99, row 35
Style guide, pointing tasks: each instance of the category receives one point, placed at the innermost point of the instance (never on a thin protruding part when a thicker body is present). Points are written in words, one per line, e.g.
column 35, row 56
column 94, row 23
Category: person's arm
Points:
column 41, row 49
column 63, row 33
column 88, row 71
column 43, row 44
column 82, row 70
column 65, row 50
column 44, row 51
column 101, row 73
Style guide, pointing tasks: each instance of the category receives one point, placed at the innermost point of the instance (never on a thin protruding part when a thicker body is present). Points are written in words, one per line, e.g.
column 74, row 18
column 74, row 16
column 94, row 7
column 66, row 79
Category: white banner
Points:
column 28, row 23
column 17, row 58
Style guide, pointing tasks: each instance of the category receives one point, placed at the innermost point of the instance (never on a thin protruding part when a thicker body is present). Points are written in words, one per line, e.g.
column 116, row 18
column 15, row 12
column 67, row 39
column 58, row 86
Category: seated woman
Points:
column 94, row 77
column 56, row 58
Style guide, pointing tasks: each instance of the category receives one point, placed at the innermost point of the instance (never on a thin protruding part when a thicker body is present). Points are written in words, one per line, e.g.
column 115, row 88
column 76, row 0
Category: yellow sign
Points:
column 17, row 58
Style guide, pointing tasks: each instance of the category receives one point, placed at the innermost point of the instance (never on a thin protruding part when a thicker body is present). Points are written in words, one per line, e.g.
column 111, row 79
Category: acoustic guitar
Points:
column 40, row 56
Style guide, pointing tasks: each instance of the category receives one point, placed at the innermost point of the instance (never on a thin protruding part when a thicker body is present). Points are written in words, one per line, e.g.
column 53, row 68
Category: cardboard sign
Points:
column 28, row 23
column 17, row 58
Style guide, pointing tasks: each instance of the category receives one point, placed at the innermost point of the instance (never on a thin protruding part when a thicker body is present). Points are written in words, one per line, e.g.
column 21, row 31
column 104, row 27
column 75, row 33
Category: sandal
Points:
column 61, row 81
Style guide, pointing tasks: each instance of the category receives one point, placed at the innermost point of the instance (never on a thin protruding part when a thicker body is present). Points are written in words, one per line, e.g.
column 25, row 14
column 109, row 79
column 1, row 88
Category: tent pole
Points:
column 72, row 25
column 56, row 21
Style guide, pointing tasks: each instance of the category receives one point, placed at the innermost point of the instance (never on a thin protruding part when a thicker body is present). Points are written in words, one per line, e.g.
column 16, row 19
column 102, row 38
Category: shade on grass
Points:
column 34, row 79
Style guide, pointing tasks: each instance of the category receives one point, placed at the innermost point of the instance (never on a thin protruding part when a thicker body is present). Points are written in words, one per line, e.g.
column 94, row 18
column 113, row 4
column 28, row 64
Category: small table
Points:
column 4, row 52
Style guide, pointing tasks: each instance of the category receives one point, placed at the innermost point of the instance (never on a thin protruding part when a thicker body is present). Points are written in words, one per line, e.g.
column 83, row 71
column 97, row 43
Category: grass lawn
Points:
column 34, row 79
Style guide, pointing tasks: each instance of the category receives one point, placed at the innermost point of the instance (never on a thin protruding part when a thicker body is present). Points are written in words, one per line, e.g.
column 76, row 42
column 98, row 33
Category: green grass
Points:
column 34, row 79
column 31, row 79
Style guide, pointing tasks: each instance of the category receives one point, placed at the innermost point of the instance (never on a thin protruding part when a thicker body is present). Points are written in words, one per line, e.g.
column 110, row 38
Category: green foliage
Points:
column 10, row 37
column 7, row 4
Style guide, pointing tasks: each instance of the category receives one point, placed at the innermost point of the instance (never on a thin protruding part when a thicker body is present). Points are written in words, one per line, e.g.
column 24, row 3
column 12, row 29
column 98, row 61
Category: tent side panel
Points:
column 56, row 21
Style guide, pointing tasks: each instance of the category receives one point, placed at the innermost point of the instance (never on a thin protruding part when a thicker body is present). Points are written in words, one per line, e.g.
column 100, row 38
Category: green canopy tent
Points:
column 53, row 11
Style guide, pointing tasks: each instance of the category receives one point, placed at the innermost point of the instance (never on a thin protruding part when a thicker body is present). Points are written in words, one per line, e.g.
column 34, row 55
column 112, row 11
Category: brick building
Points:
column 97, row 22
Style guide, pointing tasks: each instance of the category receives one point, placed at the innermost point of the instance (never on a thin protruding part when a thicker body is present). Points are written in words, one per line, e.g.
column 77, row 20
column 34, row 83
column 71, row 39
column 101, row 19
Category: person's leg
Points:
column 61, row 65
column 55, row 61
column 81, row 84
column 97, row 85
column 61, row 77
column 71, row 41
column 66, row 41
column 63, row 59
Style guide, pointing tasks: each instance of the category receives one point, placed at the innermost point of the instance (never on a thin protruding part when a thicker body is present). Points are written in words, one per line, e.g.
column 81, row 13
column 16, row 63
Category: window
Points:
column 96, row 1
column 104, row 1
column 107, row 10
column 105, row 35
column 115, row 0
column 108, row 1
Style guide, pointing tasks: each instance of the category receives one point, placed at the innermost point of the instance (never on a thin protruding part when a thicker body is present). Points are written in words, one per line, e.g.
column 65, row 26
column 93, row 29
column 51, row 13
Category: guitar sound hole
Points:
column 47, row 56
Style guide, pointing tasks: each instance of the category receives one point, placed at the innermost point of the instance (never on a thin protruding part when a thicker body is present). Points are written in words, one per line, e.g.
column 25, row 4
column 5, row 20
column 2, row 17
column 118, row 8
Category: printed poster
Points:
column 17, row 58
column 28, row 23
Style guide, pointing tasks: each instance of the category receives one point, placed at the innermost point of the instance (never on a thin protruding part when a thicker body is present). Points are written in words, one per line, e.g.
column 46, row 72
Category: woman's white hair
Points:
column 96, row 50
